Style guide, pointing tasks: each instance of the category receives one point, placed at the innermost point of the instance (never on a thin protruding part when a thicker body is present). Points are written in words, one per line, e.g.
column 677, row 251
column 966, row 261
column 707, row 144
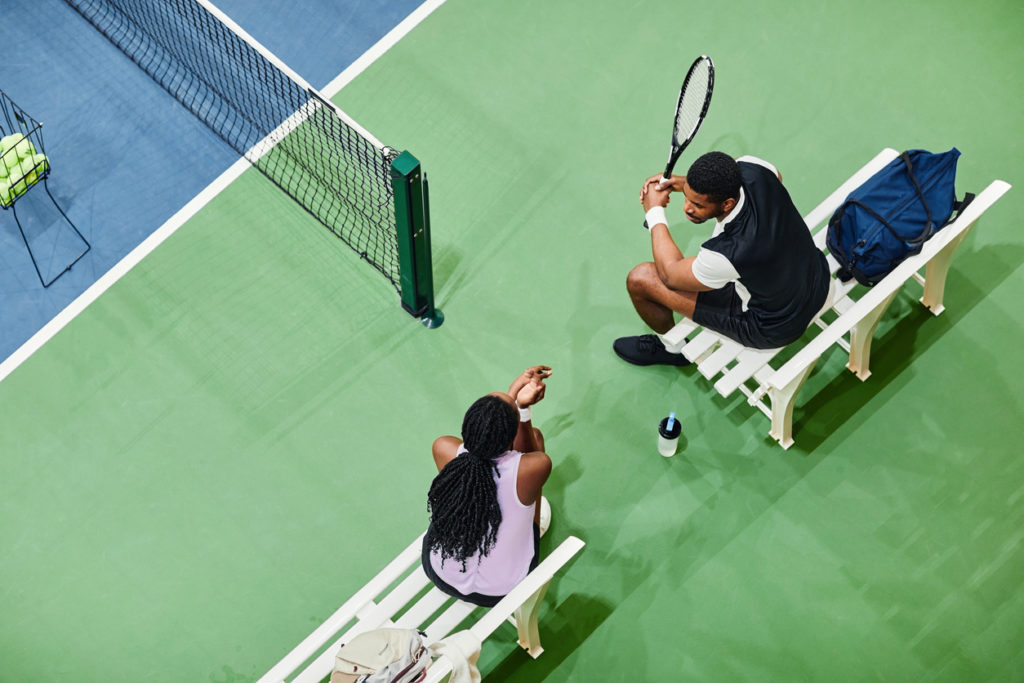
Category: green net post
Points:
column 412, row 214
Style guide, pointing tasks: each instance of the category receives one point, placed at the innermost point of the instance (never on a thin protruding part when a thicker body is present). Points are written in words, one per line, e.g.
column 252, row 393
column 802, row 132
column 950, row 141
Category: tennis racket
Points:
column 692, row 107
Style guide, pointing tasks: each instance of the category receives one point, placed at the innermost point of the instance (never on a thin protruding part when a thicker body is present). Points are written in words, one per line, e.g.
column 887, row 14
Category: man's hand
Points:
column 655, row 195
column 540, row 372
column 673, row 184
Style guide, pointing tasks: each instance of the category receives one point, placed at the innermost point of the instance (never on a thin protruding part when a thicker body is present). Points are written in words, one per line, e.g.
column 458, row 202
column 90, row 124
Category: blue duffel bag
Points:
column 893, row 214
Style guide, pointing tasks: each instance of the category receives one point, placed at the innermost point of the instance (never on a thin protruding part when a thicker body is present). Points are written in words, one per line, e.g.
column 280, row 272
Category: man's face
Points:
column 700, row 207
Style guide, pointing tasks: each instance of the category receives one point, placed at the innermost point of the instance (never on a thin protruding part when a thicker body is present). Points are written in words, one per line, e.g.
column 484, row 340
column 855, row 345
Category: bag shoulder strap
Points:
column 958, row 207
column 929, row 228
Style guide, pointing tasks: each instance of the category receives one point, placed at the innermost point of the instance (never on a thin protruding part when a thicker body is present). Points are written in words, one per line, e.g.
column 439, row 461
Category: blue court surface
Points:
column 124, row 155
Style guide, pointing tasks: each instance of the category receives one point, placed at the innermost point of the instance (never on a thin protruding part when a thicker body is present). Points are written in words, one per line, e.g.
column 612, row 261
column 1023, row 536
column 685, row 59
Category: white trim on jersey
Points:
column 760, row 162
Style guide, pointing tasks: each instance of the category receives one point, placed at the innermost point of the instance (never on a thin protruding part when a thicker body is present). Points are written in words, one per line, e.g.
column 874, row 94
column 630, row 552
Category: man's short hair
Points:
column 715, row 174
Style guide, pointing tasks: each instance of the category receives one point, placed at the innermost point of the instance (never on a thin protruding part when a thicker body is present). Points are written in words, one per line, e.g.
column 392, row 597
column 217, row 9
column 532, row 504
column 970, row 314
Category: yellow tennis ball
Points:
column 9, row 141
column 38, row 162
column 21, row 145
column 27, row 174
column 6, row 198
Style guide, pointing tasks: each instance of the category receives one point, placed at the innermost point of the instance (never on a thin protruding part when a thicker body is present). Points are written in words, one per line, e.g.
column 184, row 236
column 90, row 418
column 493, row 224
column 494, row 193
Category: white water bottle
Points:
column 668, row 435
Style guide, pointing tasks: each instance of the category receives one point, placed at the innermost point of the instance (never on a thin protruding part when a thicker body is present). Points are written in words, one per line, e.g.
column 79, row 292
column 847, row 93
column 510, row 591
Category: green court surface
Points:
column 204, row 464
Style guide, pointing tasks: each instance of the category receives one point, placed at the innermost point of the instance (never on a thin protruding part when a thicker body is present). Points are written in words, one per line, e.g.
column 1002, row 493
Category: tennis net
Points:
column 299, row 140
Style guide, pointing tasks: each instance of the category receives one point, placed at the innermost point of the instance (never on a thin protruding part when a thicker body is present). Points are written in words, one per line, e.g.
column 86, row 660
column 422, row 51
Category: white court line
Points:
column 381, row 46
column 57, row 323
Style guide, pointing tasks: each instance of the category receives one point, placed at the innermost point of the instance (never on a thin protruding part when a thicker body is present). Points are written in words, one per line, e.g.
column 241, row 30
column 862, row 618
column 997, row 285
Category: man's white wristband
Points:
column 656, row 215
column 525, row 414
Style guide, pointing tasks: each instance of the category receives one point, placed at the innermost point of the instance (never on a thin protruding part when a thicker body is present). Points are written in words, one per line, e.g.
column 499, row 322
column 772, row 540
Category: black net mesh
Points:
column 295, row 138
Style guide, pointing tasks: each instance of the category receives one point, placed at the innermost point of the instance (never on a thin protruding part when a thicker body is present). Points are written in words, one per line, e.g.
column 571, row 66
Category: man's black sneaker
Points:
column 647, row 349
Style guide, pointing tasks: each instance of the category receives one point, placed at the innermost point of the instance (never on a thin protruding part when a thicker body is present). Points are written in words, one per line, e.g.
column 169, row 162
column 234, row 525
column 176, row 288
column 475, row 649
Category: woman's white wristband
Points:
column 656, row 215
column 525, row 414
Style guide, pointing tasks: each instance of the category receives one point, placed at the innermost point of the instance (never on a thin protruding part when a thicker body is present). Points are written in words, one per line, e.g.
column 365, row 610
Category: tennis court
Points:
column 204, row 463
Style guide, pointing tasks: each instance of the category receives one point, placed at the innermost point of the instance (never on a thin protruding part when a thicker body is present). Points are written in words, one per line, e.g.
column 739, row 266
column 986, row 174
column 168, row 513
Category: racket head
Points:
column 692, row 106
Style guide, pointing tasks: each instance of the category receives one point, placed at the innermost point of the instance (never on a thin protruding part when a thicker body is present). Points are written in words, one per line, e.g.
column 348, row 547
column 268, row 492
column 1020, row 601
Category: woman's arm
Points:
column 535, row 465
column 528, row 394
column 445, row 449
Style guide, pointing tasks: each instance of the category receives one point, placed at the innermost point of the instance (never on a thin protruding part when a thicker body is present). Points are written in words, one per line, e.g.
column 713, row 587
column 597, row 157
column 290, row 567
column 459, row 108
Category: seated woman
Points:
column 485, row 504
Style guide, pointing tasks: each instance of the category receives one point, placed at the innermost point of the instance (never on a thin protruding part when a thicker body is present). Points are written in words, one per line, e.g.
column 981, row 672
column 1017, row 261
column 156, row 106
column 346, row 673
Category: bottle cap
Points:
column 672, row 432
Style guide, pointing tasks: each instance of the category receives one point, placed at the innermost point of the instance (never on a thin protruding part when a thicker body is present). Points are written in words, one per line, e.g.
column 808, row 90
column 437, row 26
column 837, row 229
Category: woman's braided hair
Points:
column 463, row 498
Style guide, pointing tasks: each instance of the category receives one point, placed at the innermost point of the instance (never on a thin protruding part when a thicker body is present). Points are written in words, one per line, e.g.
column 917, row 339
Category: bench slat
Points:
column 699, row 345
column 423, row 609
column 843, row 289
column 319, row 669
column 843, row 305
column 386, row 609
column 726, row 353
column 750, row 361
column 448, row 620
column 678, row 333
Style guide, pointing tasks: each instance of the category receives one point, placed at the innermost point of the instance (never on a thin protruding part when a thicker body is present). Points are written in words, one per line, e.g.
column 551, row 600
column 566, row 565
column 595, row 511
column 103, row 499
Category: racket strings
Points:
column 692, row 101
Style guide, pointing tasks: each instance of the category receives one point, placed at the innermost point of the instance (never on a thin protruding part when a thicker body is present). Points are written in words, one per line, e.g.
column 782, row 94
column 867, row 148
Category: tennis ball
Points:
column 6, row 198
column 38, row 162
column 9, row 141
column 19, row 188
column 5, row 170
column 21, row 145
column 27, row 174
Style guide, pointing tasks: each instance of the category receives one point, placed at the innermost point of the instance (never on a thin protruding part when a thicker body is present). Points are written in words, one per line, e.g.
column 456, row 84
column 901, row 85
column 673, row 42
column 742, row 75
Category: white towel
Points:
column 463, row 650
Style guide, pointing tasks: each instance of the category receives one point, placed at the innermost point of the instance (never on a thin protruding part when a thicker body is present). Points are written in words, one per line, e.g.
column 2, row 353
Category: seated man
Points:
column 758, row 280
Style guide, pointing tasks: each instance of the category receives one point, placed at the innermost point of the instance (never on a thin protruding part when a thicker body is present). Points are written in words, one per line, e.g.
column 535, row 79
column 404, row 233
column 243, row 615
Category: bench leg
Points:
column 860, row 339
column 782, row 401
column 935, row 274
column 525, row 619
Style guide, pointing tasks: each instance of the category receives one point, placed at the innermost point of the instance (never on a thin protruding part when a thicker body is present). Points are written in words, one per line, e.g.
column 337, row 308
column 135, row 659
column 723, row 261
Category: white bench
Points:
column 751, row 371
column 418, row 601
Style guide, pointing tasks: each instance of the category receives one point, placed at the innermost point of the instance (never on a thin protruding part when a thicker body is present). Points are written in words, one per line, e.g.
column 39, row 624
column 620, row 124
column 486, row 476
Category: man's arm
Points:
column 674, row 269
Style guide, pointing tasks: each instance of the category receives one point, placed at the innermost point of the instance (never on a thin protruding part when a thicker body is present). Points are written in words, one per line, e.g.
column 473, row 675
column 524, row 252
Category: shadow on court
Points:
column 847, row 401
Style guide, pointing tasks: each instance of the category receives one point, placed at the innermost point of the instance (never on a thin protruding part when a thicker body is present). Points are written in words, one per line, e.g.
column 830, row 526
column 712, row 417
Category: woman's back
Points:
column 508, row 561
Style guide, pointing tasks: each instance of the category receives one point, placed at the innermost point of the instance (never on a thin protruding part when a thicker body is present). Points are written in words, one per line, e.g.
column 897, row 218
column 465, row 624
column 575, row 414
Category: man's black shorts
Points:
column 721, row 310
